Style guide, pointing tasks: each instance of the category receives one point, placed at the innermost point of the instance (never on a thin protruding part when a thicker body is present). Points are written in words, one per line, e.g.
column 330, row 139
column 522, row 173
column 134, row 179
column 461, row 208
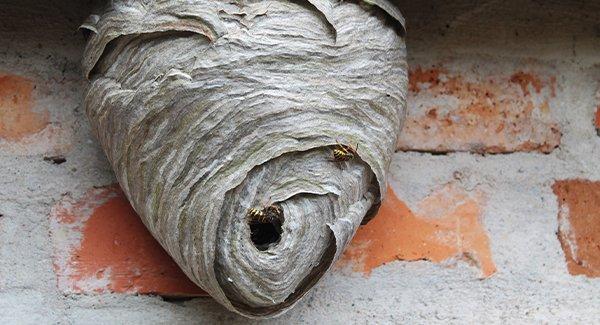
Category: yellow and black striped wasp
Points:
column 268, row 214
column 342, row 152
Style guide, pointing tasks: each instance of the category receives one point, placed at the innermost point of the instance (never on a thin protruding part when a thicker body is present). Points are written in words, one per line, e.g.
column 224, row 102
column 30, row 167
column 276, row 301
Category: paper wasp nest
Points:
column 220, row 119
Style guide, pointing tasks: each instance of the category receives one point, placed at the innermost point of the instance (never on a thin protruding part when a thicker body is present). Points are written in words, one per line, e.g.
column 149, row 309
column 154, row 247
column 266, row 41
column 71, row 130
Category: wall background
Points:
column 495, row 215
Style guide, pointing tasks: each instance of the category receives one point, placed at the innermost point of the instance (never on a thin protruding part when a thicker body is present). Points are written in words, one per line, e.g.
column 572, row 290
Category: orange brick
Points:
column 101, row 245
column 449, row 111
column 579, row 225
column 24, row 127
column 17, row 117
column 446, row 229
column 597, row 118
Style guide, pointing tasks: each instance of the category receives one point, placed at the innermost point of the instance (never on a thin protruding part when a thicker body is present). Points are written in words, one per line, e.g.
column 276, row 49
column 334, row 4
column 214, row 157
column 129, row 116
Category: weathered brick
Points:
column 445, row 228
column 579, row 225
column 101, row 245
column 479, row 111
column 26, row 128
column 597, row 120
column 17, row 117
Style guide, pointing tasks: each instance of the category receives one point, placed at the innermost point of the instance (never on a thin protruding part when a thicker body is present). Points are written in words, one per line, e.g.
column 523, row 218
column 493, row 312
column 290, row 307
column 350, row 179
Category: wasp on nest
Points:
column 342, row 152
column 265, row 226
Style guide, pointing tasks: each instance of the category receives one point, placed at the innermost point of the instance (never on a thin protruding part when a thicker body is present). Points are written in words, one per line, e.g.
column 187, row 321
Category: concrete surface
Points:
column 511, row 196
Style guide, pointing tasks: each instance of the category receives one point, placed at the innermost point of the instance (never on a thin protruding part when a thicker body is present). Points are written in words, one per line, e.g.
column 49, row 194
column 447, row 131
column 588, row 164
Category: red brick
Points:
column 17, row 117
column 445, row 229
column 579, row 225
column 477, row 111
column 101, row 245
column 26, row 128
column 597, row 118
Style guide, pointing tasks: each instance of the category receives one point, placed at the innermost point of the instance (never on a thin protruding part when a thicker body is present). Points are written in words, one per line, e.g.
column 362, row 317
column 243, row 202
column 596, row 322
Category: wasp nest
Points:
column 252, row 137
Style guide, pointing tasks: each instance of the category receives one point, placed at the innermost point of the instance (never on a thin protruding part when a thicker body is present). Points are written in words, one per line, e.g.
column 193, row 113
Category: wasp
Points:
column 265, row 226
column 256, row 214
column 343, row 152
column 267, row 214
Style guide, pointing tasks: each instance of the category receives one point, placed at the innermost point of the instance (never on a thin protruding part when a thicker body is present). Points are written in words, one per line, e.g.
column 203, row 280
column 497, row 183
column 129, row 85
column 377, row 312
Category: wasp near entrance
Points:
column 343, row 152
column 268, row 214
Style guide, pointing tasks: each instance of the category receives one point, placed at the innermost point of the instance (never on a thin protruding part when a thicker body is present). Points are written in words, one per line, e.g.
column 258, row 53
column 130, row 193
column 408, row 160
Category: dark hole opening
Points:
column 265, row 234
column 86, row 33
column 176, row 299
column 57, row 160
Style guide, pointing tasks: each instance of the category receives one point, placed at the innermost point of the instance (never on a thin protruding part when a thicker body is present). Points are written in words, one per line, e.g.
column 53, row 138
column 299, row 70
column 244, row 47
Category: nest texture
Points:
column 207, row 109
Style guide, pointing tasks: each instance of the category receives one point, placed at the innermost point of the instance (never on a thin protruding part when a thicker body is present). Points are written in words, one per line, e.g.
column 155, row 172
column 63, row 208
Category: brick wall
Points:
column 493, row 208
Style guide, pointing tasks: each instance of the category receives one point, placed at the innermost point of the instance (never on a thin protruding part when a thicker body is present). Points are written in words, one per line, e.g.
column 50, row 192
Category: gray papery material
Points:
column 208, row 108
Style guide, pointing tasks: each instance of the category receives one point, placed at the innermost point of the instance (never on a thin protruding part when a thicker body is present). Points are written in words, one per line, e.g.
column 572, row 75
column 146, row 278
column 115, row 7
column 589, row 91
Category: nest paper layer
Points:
column 206, row 109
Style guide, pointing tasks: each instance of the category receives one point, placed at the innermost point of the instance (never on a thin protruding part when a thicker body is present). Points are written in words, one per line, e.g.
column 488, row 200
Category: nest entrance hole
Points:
column 265, row 233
